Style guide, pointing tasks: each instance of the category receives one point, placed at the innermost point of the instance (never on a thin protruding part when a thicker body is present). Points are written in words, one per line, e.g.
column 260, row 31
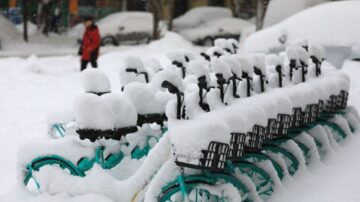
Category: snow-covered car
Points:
column 333, row 25
column 122, row 27
column 206, row 33
column 279, row 10
column 200, row 15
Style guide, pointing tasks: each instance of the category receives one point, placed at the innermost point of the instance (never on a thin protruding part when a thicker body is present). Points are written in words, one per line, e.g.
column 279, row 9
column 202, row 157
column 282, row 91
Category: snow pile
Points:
column 167, row 75
column 220, row 67
column 215, row 52
column 258, row 61
column 200, row 133
column 246, row 65
column 197, row 67
column 95, row 81
column 279, row 10
column 233, row 26
column 131, row 21
column 331, row 25
column 199, row 15
column 142, row 96
column 92, row 113
column 124, row 112
column 233, row 64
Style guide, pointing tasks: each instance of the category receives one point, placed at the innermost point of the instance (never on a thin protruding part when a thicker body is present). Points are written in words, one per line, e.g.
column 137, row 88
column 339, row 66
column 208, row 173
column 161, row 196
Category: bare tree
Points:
column 155, row 8
column 260, row 13
column 172, row 13
column 124, row 5
column 25, row 18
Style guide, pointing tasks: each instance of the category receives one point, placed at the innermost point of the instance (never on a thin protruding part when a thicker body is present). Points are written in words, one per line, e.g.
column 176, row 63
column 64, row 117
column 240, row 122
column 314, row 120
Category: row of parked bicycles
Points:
column 218, row 126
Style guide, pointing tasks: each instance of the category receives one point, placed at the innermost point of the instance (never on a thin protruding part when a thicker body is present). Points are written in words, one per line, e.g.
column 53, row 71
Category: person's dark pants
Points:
column 85, row 62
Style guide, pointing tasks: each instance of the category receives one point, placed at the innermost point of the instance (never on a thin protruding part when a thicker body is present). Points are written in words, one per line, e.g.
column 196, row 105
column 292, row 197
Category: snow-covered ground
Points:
column 32, row 87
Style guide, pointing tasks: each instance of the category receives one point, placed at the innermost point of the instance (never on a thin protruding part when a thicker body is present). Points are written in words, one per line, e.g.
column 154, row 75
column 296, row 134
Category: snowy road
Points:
column 30, row 88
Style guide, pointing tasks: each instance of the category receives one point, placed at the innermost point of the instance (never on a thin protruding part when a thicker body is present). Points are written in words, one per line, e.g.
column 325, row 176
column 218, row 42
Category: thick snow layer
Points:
column 92, row 113
column 215, row 52
column 167, row 75
column 245, row 64
column 134, row 62
column 54, row 89
column 233, row 64
column 199, row 132
column 124, row 111
column 198, row 68
column 279, row 10
column 95, row 81
column 23, row 121
column 258, row 61
column 142, row 96
column 125, row 190
column 220, row 67
column 110, row 25
column 273, row 59
column 197, row 16
column 69, row 147
column 231, row 26
column 329, row 25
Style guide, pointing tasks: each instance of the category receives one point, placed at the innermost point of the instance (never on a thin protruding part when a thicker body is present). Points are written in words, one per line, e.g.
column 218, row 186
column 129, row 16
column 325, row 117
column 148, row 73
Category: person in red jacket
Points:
column 89, row 49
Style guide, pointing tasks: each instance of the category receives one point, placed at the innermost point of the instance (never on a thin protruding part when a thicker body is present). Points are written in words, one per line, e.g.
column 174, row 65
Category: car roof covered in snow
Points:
column 199, row 15
column 332, row 24
column 133, row 21
column 211, row 28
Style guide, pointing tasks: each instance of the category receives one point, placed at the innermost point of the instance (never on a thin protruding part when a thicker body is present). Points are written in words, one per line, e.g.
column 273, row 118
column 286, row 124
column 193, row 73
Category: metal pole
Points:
column 25, row 19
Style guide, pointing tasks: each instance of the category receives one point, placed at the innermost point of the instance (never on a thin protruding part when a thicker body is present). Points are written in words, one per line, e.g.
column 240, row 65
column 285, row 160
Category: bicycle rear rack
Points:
column 256, row 138
column 213, row 159
column 151, row 118
column 237, row 143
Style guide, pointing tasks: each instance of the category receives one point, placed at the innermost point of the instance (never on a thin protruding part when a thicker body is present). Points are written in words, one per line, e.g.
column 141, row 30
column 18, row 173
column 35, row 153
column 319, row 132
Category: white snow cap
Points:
column 154, row 64
column 245, row 64
column 300, row 42
column 167, row 75
column 92, row 113
column 143, row 98
column 317, row 51
column 94, row 80
column 197, row 135
column 273, row 59
column 220, row 67
column 224, row 44
column 197, row 67
column 134, row 62
column 124, row 112
column 303, row 55
column 188, row 54
column 233, row 64
column 258, row 61
column 214, row 51
column 177, row 56
column 234, row 42
column 292, row 53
